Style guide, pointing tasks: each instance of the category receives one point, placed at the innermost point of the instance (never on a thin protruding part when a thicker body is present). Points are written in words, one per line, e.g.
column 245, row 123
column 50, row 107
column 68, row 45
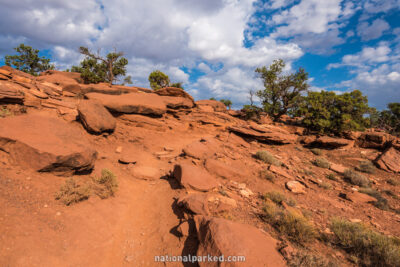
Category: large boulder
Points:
column 193, row 177
column 46, row 144
column 265, row 134
column 377, row 140
column 177, row 102
column 144, row 122
column 95, row 117
column 11, row 93
column 389, row 160
column 60, row 77
column 202, row 149
column 175, row 92
column 139, row 103
column 211, row 105
column 196, row 203
column 222, row 238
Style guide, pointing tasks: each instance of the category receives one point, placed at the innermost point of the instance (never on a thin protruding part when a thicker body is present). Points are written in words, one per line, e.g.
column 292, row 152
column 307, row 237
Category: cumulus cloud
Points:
column 381, row 84
column 372, row 31
column 366, row 57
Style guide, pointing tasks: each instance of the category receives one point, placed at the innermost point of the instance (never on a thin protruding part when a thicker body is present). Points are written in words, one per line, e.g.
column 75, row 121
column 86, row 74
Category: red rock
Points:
column 15, row 72
column 177, row 102
column 214, row 104
column 143, row 122
column 296, row 187
column 219, row 237
column 201, row 149
column 196, row 203
column 61, row 78
column 10, row 93
column 175, row 92
column 271, row 136
column 358, row 197
column 389, row 160
column 337, row 168
column 331, row 143
column 280, row 171
column 223, row 170
column 140, row 103
column 46, row 144
column 95, row 117
column 193, row 177
column 377, row 140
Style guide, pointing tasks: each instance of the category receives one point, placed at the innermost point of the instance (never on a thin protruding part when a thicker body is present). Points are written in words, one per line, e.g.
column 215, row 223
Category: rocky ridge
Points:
column 201, row 158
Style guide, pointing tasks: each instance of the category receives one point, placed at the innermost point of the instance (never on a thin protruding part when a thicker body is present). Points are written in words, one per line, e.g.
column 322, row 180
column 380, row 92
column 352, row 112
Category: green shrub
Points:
column 28, row 60
column 95, row 68
column 267, row 158
column 372, row 248
column 356, row 178
column 366, row 166
column 107, row 184
column 332, row 177
column 71, row 192
column 308, row 259
column 289, row 223
column 326, row 112
column 316, row 151
column 322, row 163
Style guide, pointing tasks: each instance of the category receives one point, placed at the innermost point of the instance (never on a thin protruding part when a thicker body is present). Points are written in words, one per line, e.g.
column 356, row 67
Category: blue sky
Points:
column 214, row 46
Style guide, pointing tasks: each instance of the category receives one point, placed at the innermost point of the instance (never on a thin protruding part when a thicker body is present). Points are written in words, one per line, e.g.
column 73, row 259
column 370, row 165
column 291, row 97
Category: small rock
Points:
column 119, row 149
column 355, row 220
column 129, row 258
column 245, row 192
column 296, row 187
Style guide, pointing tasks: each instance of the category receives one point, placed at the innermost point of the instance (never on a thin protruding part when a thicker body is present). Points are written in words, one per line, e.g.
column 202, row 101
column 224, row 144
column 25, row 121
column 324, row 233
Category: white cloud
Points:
column 367, row 56
column 381, row 85
column 372, row 31
column 309, row 16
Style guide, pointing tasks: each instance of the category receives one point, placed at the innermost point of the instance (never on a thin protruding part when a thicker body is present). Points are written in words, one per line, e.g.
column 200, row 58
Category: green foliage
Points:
column 95, row 68
column 226, row 102
column 177, row 85
column 267, row 158
column 251, row 112
column 28, row 60
column 212, row 98
column 356, row 178
column 326, row 112
column 322, row 163
column 289, row 223
column 372, row 248
column 366, row 166
column 127, row 80
column 71, row 192
column 107, row 184
column 282, row 92
column 389, row 119
column 158, row 80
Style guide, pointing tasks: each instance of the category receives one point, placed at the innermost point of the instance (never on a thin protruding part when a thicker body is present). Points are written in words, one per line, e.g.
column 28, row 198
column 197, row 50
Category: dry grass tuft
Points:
column 267, row 157
column 71, row 192
column 371, row 248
